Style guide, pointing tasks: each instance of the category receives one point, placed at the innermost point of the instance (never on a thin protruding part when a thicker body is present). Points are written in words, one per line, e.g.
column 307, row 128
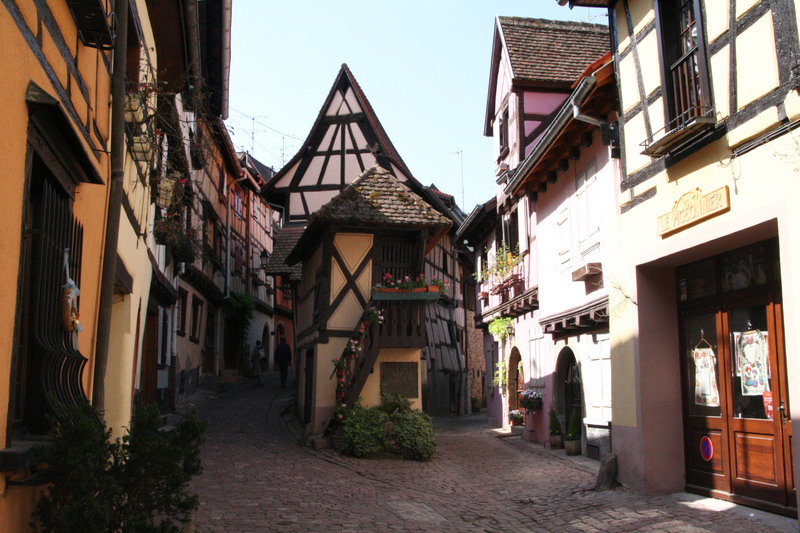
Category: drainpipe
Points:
column 118, row 94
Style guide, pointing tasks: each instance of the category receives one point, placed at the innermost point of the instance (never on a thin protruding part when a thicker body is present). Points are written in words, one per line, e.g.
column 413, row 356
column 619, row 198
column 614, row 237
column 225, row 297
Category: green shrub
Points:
column 362, row 433
column 574, row 426
column 139, row 483
column 395, row 403
column 555, row 423
column 411, row 435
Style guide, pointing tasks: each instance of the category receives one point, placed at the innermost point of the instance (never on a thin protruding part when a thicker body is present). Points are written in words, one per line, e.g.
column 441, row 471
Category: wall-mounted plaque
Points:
column 400, row 378
column 693, row 207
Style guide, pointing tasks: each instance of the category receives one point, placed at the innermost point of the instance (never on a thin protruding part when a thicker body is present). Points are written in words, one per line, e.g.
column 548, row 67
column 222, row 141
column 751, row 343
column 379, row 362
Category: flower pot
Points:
column 556, row 442
column 433, row 288
column 515, row 422
column 420, row 289
column 572, row 447
column 483, row 295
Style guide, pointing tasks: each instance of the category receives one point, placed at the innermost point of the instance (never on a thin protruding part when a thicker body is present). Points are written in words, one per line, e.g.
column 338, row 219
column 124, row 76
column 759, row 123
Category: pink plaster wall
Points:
column 542, row 103
column 655, row 464
column 557, row 291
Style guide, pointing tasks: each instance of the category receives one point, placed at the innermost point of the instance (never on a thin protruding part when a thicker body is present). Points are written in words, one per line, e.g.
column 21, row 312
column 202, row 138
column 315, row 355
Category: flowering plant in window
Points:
column 501, row 265
column 531, row 400
column 515, row 416
column 407, row 283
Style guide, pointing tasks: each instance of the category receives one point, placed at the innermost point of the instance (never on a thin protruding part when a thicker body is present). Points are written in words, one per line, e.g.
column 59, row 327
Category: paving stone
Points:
column 257, row 478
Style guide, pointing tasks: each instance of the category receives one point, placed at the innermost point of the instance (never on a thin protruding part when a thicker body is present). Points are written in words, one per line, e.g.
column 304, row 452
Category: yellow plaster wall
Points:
column 756, row 61
column 651, row 69
column 371, row 394
column 635, row 133
column 622, row 27
column 743, row 6
column 753, row 127
column 716, row 19
column 353, row 247
column 629, row 91
column 720, row 65
column 324, row 393
column 642, row 15
column 126, row 312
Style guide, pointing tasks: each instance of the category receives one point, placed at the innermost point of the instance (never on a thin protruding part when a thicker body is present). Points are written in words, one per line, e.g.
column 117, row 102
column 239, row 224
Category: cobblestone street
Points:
column 257, row 478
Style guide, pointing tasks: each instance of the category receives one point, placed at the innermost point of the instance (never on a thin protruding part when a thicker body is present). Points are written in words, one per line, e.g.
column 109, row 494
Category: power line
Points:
column 265, row 125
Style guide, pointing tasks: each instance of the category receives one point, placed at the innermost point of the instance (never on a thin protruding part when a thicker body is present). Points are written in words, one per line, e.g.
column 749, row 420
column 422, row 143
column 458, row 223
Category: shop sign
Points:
column 693, row 207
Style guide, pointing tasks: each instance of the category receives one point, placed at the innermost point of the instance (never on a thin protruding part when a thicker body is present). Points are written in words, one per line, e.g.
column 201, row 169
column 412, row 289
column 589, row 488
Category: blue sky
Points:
column 423, row 64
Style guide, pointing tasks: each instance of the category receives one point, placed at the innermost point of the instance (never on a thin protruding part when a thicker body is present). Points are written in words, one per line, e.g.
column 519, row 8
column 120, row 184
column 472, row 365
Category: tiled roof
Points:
column 552, row 51
column 285, row 240
column 377, row 197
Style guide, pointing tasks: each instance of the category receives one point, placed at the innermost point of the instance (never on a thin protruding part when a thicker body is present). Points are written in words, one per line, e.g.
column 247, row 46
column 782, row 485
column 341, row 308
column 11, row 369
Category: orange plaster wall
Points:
column 20, row 67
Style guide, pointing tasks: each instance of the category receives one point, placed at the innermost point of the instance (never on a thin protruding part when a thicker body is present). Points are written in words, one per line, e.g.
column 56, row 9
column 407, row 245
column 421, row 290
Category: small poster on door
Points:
column 768, row 403
column 752, row 363
column 706, row 392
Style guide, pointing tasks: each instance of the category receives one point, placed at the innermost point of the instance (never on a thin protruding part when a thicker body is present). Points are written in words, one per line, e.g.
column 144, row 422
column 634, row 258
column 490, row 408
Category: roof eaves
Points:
column 562, row 118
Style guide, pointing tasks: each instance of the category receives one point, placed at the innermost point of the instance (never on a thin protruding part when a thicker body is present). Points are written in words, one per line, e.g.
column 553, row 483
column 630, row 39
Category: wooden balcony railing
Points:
column 383, row 324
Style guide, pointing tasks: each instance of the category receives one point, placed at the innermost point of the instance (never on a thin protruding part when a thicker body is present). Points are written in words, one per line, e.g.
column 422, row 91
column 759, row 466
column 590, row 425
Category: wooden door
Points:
column 738, row 440
column 759, row 430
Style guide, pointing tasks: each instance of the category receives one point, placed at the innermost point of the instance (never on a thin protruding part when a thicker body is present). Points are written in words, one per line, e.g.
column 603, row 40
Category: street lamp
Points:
column 264, row 259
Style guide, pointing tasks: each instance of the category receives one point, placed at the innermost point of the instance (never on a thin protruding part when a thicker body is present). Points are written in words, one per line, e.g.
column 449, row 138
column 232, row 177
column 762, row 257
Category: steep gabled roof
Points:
column 384, row 151
column 543, row 53
column 376, row 199
column 551, row 51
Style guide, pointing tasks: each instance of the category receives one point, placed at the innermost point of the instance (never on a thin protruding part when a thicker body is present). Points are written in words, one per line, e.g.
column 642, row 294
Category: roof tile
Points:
column 378, row 197
column 552, row 51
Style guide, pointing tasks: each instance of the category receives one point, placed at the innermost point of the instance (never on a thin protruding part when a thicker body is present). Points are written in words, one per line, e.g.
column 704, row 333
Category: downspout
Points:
column 193, row 34
column 108, row 276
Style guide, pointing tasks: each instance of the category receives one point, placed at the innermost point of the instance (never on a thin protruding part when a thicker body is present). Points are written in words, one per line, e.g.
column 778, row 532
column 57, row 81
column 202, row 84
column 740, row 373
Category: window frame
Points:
column 503, row 132
column 197, row 319
column 181, row 308
column 667, row 17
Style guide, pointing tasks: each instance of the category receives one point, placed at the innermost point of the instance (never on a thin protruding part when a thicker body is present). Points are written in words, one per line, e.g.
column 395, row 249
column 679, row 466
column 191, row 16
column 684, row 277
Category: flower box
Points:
column 403, row 294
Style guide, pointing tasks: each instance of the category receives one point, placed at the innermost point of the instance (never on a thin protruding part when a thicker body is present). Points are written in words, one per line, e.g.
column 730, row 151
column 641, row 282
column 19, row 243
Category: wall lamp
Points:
column 264, row 259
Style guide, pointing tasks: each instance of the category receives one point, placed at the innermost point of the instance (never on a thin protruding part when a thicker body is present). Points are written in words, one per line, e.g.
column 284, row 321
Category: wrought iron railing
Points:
column 54, row 365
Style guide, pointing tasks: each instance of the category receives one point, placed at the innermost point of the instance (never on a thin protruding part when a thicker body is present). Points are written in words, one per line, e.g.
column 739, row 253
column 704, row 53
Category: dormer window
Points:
column 684, row 71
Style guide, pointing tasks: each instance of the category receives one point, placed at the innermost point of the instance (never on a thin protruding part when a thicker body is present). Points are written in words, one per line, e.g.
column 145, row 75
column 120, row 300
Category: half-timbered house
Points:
column 356, row 343
column 703, row 251
column 527, row 244
column 346, row 139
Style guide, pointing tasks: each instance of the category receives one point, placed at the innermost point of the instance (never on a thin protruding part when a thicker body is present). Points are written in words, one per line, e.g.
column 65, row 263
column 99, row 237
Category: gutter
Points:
column 115, row 194
column 565, row 114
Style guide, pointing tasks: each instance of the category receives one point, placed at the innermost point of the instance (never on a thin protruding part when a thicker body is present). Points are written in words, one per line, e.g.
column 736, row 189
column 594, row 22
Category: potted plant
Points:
column 531, row 400
column 555, row 429
column 515, row 417
column 572, row 440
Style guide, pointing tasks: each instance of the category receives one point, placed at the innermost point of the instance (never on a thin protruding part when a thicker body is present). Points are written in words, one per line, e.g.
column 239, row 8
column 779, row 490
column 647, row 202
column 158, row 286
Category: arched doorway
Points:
column 516, row 379
column 568, row 386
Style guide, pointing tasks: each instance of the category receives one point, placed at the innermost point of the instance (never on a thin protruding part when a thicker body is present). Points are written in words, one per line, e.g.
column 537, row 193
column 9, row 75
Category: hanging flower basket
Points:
column 183, row 251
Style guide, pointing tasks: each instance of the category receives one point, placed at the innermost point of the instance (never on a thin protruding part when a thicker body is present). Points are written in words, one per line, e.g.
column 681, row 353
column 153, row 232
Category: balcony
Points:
column 688, row 110
column 383, row 324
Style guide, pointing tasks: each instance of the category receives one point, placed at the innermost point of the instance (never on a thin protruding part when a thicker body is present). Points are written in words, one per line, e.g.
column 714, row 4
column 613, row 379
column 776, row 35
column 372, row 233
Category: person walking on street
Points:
column 258, row 359
column 283, row 357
